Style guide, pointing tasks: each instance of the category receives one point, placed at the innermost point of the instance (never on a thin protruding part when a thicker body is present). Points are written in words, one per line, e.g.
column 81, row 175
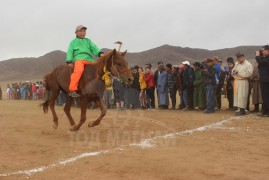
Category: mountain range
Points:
column 20, row 69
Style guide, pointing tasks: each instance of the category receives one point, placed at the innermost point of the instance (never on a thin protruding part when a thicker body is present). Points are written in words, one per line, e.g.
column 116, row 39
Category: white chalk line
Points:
column 145, row 143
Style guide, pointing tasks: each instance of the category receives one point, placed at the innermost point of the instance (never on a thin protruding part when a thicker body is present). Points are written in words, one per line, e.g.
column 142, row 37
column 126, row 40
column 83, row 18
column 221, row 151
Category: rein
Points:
column 118, row 72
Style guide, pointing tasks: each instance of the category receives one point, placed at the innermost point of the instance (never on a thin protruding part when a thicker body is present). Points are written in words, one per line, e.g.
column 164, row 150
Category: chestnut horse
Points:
column 91, row 86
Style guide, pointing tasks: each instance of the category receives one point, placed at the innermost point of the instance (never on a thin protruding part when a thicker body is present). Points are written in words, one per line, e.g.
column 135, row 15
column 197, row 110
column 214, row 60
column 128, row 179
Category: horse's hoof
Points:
column 91, row 124
column 73, row 128
column 55, row 126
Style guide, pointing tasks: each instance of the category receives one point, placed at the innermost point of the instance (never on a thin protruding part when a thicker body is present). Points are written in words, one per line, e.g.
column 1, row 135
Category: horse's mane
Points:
column 104, row 62
column 101, row 63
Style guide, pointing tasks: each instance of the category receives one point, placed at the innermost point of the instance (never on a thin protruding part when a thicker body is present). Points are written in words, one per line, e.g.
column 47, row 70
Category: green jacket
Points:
column 82, row 49
column 198, row 78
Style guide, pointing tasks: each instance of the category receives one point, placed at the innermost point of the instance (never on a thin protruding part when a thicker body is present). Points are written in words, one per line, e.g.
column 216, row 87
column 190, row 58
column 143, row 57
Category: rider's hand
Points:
column 69, row 63
column 101, row 54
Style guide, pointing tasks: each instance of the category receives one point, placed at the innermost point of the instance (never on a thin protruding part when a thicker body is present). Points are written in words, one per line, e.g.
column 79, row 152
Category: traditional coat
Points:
column 256, row 91
column 199, row 90
column 241, row 83
column 162, row 89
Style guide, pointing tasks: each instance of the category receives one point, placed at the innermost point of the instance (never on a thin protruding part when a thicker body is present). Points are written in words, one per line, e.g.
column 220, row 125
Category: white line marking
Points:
column 145, row 143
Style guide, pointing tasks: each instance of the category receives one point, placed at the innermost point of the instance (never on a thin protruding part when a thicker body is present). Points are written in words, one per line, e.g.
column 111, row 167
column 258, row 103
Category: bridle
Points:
column 114, row 68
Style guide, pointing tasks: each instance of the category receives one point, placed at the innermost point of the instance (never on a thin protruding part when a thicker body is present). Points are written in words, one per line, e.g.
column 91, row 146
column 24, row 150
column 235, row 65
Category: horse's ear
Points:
column 114, row 52
column 124, row 53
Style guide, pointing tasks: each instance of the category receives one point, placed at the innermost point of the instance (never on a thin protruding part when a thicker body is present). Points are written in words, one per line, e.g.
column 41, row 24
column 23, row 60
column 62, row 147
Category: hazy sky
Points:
column 31, row 28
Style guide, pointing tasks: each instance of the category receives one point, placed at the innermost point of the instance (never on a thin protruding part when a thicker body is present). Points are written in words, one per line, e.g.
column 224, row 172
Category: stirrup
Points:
column 74, row 94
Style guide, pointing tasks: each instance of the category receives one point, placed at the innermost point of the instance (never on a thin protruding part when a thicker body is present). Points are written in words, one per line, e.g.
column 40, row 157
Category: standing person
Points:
column 12, row 91
column 8, row 92
column 135, row 89
column 148, row 65
column 18, row 91
column 149, row 78
column 0, row 93
column 199, row 89
column 80, row 52
column 230, row 83
column 128, row 93
column 175, row 69
column 23, row 91
column 156, row 75
column 28, row 89
column 171, row 83
column 209, row 74
column 180, row 86
column 256, row 89
column 217, row 88
column 263, row 61
column 162, row 88
column 108, row 92
column 33, row 91
column 241, row 73
column 220, row 86
column 188, row 78
column 61, row 99
column 41, row 86
column 143, row 87
column 119, row 93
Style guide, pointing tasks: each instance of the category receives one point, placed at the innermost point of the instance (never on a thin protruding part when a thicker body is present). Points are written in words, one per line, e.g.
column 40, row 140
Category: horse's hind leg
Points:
column 101, row 104
column 67, row 109
column 52, row 104
column 83, row 107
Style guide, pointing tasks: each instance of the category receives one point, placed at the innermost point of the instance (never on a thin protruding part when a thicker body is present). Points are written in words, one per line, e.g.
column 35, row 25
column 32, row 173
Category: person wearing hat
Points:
column 263, row 66
column 241, row 73
column 199, row 89
column 209, row 73
column 188, row 78
column 171, row 83
column 162, row 88
column 79, row 54
column 229, row 84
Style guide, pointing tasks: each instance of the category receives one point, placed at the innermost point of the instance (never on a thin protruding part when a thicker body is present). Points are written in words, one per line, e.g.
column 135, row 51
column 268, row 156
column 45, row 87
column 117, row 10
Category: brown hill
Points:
column 36, row 68
column 175, row 55
column 30, row 68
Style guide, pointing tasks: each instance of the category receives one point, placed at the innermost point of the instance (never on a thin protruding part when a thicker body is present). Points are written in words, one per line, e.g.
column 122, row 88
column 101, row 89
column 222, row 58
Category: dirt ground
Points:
column 132, row 144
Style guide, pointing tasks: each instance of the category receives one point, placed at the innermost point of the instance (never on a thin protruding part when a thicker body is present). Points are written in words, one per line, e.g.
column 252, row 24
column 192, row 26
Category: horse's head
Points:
column 118, row 66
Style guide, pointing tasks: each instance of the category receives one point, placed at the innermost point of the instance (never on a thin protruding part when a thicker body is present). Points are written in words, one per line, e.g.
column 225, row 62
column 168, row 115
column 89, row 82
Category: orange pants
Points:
column 76, row 75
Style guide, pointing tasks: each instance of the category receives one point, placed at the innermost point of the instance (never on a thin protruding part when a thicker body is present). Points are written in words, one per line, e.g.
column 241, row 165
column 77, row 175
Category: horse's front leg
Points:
column 100, row 103
column 83, row 107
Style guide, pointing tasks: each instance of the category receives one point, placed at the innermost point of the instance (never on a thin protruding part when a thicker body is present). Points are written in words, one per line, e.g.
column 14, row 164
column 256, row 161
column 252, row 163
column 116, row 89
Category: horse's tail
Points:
column 45, row 106
column 47, row 95
column 47, row 77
